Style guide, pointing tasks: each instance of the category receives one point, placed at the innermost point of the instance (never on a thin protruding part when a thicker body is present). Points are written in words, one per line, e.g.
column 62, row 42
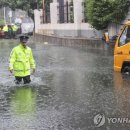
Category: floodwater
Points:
column 74, row 88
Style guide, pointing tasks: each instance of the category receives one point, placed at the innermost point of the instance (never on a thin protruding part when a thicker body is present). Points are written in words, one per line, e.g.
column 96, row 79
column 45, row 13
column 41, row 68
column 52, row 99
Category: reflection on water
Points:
column 23, row 100
column 122, row 93
column 22, row 109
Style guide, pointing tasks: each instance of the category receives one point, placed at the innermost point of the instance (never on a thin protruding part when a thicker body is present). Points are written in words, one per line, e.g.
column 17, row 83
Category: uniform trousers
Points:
column 26, row 79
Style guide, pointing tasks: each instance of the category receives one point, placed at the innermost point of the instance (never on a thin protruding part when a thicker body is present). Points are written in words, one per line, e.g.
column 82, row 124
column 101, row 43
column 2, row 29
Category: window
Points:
column 124, row 36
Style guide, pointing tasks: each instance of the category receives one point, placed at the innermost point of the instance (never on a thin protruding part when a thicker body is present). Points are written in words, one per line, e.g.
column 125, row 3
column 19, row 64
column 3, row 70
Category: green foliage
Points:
column 100, row 13
column 27, row 5
column 121, row 10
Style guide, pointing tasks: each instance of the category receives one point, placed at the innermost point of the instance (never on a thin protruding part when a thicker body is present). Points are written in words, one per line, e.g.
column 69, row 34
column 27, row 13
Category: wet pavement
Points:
column 74, row 88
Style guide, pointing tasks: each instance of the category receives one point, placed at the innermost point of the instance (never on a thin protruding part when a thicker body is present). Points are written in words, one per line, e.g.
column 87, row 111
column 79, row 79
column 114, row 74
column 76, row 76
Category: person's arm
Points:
column 12, row 60
column 32, row 62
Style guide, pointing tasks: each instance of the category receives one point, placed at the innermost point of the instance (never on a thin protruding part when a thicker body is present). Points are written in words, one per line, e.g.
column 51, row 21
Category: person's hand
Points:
column 33, row 70
column 11, row 71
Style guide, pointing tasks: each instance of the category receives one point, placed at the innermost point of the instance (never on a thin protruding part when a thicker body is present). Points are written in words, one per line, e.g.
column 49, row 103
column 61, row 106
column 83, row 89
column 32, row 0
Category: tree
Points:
column 100, row 13
column 27, row 5
column 121, row 10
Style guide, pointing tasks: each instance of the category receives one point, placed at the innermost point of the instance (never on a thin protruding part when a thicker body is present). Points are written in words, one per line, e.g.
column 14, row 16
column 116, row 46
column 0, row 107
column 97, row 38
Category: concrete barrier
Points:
column 67, row 41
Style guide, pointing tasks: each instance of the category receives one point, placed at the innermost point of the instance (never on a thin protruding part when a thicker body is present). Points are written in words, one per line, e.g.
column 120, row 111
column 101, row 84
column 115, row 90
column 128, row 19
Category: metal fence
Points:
column 45, row 18
column 84, row 20
column 66, row 13
column 46, row 11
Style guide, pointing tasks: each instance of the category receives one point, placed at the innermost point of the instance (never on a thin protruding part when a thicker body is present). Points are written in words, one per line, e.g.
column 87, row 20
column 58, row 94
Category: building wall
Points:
column 76, row 29
column 68, row 30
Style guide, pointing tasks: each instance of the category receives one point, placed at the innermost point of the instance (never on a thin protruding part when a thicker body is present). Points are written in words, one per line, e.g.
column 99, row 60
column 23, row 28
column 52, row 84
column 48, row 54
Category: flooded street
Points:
column 71, row 86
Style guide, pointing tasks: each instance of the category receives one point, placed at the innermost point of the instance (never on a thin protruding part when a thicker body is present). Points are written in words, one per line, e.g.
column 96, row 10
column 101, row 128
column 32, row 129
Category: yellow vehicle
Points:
column 122, row 50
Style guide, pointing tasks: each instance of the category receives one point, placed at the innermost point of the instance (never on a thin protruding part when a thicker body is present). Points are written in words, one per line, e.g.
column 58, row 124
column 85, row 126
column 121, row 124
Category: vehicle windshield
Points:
column 124, row 36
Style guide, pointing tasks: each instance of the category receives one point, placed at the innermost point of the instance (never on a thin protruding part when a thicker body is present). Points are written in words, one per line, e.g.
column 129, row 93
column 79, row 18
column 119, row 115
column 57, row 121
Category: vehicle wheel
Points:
column 126, row 70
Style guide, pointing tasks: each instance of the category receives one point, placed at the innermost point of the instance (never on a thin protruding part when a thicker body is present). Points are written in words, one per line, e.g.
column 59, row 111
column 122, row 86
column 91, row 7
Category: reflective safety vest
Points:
column 25, row 100
column 5, row 28
column 21, row 61
column 15, row 28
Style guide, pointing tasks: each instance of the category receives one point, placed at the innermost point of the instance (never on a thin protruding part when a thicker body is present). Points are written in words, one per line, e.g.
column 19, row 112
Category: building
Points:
column 64, row 18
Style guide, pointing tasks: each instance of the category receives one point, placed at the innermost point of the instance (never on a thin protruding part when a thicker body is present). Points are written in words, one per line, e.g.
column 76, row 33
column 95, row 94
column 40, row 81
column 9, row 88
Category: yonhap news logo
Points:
column 100, row 120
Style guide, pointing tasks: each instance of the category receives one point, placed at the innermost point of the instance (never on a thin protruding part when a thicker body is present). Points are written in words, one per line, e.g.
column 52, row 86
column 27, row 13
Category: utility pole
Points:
column 43, row 12
column 4, row 16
